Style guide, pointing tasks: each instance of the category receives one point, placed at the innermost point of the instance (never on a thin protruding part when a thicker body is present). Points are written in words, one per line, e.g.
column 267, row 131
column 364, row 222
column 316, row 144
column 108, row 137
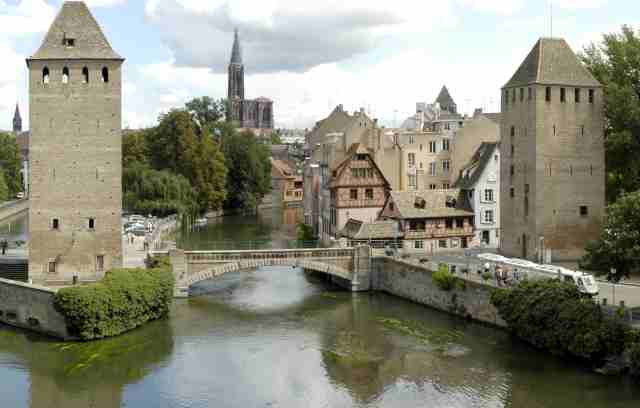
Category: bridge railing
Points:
column 256, row 245
column 222, row 256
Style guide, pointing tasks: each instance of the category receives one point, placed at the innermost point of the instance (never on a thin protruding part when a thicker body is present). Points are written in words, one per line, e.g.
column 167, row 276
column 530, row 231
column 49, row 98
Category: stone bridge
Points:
column 349, row 267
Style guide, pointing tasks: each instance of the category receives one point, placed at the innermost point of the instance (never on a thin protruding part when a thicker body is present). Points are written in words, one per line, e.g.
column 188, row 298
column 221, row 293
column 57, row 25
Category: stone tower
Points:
column 17, row 121
column 552, row 162
column 236, row 71
column 75, row 149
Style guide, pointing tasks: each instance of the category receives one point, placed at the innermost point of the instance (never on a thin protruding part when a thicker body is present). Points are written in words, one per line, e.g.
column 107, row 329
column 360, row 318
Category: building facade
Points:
column 247, row 113
column 75, row 151
column 479, row 180
column 552, row 161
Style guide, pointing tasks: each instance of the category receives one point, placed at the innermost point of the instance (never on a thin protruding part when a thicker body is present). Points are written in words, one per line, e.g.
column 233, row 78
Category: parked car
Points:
column 20, row 195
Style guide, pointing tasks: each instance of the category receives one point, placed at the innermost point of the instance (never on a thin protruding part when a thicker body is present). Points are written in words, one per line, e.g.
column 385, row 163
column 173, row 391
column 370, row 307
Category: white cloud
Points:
column 104, row 3
column 580, row 4
column 506, row 7
column 29, row 16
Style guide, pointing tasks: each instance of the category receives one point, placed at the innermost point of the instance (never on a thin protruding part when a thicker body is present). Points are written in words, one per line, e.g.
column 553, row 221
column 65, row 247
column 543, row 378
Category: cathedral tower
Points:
column 236, row 71
column 17, row 121
column 552, row 162
column 75, row 203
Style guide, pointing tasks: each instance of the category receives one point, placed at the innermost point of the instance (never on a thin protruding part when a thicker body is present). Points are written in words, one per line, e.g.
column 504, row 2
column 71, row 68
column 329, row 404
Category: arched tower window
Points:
column 105, row 74
column 45, row 75
column 65, row 75
column 85, row 75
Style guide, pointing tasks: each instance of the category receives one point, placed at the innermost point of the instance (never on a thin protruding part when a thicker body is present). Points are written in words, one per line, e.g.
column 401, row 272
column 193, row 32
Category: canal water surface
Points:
column 279, row 337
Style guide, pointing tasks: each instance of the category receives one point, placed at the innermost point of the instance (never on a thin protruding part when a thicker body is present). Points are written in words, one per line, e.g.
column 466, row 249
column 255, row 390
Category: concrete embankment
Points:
column 12, row 209
column 31, row 307
column 414, row 282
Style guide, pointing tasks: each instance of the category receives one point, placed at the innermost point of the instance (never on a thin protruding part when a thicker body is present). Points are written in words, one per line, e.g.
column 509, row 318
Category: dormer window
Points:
column 69, row 42
column 65, row 75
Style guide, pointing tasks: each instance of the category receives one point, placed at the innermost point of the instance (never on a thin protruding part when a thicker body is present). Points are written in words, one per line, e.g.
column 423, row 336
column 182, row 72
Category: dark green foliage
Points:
column 444, row 279
column 134, row 148
column 122, row 301
column 553, row 315
column 634, row 354
column 4, row 189
column 619, row 243
column 304, row 232
column 615, row 64
column 206, row 112
column 10, row 163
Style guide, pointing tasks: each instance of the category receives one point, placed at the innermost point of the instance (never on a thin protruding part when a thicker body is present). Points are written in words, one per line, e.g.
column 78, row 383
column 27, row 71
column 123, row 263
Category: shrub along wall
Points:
column 554, row 316
column 123, row 300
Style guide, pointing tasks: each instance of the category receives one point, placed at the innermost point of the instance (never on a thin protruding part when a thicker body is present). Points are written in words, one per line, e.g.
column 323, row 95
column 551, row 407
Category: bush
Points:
column 123, row 300
column 443, row 278
column 555, row 316
column 635, row 360
column 486, row 276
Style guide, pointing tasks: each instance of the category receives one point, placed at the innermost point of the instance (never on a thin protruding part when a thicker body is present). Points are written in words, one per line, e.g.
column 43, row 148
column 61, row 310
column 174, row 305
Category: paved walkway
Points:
column 133, row 253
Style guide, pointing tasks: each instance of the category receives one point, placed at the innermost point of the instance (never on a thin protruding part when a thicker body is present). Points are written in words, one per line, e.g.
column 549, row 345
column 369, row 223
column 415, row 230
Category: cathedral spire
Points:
column 236, row 52
column 17, row 120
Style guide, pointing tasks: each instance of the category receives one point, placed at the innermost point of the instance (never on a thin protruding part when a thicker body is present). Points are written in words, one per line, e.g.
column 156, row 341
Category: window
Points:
column 442, row 243
column 432, row 168
column 353, row 194
column 529, row 94
column 445, row 145
column 488, row 217
column 526, row 205
column 460, row 223
column 55, row 224
column 547, row 96
column 105, row 74
column 361, row 157
column 85, row 75
column 447, row 126
column 513, row 131
column 65, row 75
column 582, row 130
column 418, row 244
column 512, row 192
column 100, row 263
column 413, row 182
column 591, row 95
column 513, row 96
column 446, row 186
column 446, row 165
column 577, row 95
column 526, row 189
column 448, row 223
column 52, row 267
column 370, row 172
column 584, row 211
column 368, row 193
column 92, row 223
column 45, row 75
column 412, row 159
column 432, row 147
column 412, row 139
column 512, row 170
column 432, row 187
column 391, row 206
column 488, row 195
column 354, row 173
column 563, row 95
column 69, row 42
column 521, row 94
column 554, row 130
column 506, row 97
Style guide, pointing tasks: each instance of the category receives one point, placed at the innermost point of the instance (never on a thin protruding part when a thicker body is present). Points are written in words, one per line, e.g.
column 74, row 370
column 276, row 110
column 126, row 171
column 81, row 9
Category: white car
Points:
column 20, row 195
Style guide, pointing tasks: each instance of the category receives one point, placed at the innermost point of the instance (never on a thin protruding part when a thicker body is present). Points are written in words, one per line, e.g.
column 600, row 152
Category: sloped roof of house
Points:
column 433, row 203
column 444, row 97
column 552, row 62
column 356, row 229
column 281, row 167
column 471, row 173
column 75, row 21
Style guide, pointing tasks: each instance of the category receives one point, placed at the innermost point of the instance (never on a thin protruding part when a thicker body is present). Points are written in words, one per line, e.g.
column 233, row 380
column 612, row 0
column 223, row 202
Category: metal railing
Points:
column 258, row 254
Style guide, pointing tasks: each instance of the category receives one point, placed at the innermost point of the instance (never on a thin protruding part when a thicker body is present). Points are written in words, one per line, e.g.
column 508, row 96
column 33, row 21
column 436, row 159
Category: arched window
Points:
column 65, row 75
column 45, row 75
column 513, row 131
column 85, row 75
column 105, row 74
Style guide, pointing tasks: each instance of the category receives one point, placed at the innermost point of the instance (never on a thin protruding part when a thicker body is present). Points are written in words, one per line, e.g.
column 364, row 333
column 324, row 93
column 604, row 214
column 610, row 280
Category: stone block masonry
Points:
column 414, row 282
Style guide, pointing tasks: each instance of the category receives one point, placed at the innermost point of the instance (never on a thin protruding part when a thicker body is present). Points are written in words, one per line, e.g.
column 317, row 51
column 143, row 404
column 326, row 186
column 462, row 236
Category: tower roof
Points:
column 444, row 98
column 16, row 114
column 75, row 34
column 552, row 62
column 236, row 51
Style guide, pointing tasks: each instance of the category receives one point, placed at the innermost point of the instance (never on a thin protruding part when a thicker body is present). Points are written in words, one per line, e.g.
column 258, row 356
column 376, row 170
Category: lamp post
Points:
column 613, row 274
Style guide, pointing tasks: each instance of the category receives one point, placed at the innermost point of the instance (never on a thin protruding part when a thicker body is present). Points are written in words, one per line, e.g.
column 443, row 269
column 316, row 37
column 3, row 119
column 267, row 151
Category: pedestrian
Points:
column 4, row 244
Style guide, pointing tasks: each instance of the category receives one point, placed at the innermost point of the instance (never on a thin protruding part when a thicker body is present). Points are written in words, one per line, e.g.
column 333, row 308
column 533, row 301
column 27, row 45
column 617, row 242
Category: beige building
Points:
column 552, row 152
column 75, row 151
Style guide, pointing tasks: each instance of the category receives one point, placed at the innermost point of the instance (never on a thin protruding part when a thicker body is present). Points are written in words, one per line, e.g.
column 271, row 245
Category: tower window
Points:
column 582, row 130
column 45, row 75
column 577, row 91
column 563, row 95
column 506, row 97
column 92, row 223
column 69, row 42
column 521, row 94
column 52, row 267
column 530, row 94
column 513, row 96
column 584, row 210
column 547, row 95
column 591, row 95
column 513, row 131
column 55, row 224
column 105, row 74
column 100, row 263
column 85, row 75
column 512, row 192
column 65, row 75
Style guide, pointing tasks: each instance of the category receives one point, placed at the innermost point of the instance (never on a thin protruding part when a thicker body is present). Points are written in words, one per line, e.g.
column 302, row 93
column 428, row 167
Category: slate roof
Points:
column 552, row 62
column 444, row 98
column 74, row 21
column 236, row 51
column 356, row 229
column 476, row 166
column 435, row 203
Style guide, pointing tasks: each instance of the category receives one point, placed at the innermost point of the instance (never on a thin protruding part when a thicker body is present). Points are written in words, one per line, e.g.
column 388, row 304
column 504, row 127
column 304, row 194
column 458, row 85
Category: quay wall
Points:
column 12, row 209
column 414, row 282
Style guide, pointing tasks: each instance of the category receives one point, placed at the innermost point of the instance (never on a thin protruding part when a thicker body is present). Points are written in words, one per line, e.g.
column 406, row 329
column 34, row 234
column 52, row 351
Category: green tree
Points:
column 210, row 175
column 134, row 147
column 10, row 163
column 615, row 64
column 249, row 170
column 276, row 138
column 619, row 243
column 304, row 232
column 4, row 190
column 206, row 111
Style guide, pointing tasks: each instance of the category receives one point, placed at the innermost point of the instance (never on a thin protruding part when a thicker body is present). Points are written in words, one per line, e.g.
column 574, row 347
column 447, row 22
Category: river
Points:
column 279, row 337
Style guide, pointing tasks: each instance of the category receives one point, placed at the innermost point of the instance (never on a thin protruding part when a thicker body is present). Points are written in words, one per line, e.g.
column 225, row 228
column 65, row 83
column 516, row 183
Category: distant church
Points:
column 247, row 113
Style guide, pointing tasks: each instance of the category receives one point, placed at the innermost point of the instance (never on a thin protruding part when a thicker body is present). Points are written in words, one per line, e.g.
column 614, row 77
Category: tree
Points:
column 10, row 163
column 134, row 148
column 206, row 111
column 249, row 170
column 276, row 137
column 210, row 175
column 615, row 64
column 619, row 243
column 4, row 190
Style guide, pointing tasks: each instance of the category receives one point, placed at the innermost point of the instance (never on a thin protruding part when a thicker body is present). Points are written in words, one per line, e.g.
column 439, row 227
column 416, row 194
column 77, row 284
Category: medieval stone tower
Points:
column 75, row 148
column 552, row 144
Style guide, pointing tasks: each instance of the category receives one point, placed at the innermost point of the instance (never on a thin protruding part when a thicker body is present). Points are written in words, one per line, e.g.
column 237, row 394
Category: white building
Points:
column 480, row 181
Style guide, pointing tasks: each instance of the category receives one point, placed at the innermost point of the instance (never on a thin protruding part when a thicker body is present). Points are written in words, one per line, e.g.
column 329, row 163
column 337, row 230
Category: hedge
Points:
column 555, row 316
column 123, row 300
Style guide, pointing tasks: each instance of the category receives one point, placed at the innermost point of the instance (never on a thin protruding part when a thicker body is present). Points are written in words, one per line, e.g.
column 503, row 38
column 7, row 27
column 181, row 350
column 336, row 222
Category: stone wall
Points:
column 414, row 282
column 31, row 307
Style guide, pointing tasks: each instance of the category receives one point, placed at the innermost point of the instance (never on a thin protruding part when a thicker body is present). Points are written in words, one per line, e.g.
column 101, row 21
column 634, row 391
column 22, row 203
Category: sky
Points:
column 309, row 56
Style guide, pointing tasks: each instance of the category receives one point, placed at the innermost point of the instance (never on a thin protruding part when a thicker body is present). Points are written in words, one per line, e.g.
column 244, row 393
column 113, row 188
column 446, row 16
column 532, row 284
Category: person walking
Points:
column 4, row 244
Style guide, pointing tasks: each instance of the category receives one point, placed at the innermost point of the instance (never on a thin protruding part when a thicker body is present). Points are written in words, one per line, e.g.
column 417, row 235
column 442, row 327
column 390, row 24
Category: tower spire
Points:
column 17, row 120
column 236, row 52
